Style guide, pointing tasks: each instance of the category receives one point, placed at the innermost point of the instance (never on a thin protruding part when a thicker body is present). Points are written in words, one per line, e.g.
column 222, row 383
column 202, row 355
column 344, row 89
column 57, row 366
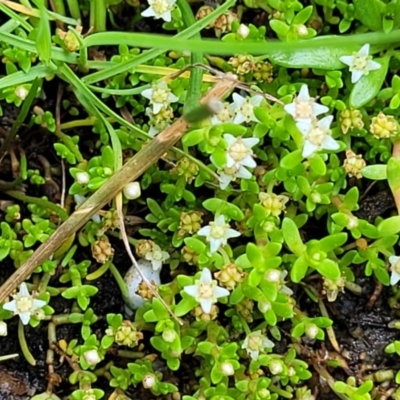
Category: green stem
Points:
column 131, row 354
column 24, row 346
column 8, row 357
column 40, row 202
column 99, row 272
column 72, row 147
column 21, row 116
column 120, row 281
column 44, row 282
column 196, row 76
column 74, row 9
column 279, row 391
column 329, row 329
column 99, row 10
column 59, row 7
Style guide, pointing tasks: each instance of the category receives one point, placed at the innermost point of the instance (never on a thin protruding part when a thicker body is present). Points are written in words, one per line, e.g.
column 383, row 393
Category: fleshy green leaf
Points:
column 367, row 88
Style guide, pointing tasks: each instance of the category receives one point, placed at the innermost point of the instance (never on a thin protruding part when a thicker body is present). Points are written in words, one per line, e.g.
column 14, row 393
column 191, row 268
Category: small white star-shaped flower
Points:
column 24, row 304
column 317, row 136
column 206, row 291
column 255, row 343
column 159, row 9
column 395, row 268
column 227, row 175
column 218, row 233
column 304, row 107
column 157, row 256
column 223, row 116
column 243, row 108
column 160, row 96
column 360, row 63
column 239, row 151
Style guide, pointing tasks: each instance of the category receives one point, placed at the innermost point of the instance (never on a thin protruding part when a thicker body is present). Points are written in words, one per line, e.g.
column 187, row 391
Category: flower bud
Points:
column 273, row 276
column 3, row 328
column 311, row 331
column 149, row 381
column 301, row 30
column 83, row 178
column 352, row 223
column 243, row 31
column 227, row 368
column 132, row 190
column 275, row 367
column 21, row 92
column 169, row 335
column 92, row 357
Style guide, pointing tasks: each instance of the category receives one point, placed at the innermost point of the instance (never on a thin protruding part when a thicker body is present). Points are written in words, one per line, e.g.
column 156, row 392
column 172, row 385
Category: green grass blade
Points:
column 81, row 89
column 16, row 17
column 29, row 45
column 20, row 77
column 124, row 38
column 194, row 91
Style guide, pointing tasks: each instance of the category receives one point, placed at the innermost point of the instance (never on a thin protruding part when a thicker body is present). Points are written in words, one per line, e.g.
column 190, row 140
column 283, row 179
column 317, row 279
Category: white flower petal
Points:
column 330, row 143
column 225, row 180
column 373, row 65
column 172, row 98
column 215, row 244
column 148, row 12
column 256, row 100
column 166, row 16
column 319, row 109
column 156, row 264
column 206, row 277
column 10, row 306
column 250, row 142
column 205, row 231
column 36, row 303
column 394, row 260
column 231, row 233
column 243, row 173
column 304, row 93
column 304, row 127
column 356, row 75
column 394, row 278
column 248, row 161
column 238, row 100
column 325, row 122
column 192, row 290
column 254, row 354
column 23, row 290
column 25, row 317
column 157, row 107
column 220, row 220
column 364, row 51
column 290, row 109
column 148, row 94
column 220, row 292
column 230, row 162
column 206, row 305
column 229, row 139
column 348, row 60
column 309, row 149
column 239, row 119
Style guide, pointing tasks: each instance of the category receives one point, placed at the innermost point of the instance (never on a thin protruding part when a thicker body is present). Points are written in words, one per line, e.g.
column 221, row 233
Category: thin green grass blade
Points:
column 20, row 77
column 179, row 43
column 119, row 38
column 82, row 89
column 57, row 54
column 16, row 17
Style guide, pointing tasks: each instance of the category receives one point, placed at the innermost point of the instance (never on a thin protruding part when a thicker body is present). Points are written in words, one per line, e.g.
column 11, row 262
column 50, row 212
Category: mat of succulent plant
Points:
column 199, row 200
